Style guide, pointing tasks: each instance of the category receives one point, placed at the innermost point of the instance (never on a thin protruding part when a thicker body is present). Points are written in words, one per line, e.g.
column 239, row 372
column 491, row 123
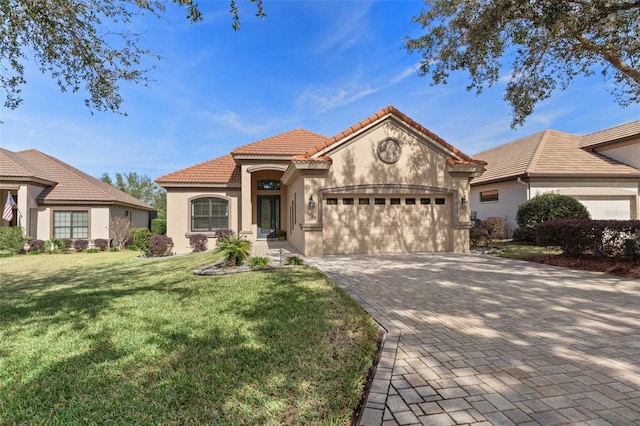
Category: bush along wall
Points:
column 603, row 238
column 159, row 226
column 11, row 239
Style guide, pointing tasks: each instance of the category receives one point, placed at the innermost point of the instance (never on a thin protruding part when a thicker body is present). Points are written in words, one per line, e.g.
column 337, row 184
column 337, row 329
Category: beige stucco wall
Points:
column 421, row 169
column 179, row 214
column 295, row 200
column 510, row 195
column 626, row 152
column 593, row 193
column 98, row 220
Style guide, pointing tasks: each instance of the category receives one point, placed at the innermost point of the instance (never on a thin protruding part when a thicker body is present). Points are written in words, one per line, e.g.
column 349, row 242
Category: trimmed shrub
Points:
column 544, row 207
column 160, row 245
column 36, row 245
column 495, row 227
column 234, row 248
column 607, row 238
column 141, row 238
column 67, row 243
column 478, row 236
column 524, row 234
column 159, row 226
column 569, row 234
column 101, row 244
column 11, row 239
column 632, row 249
column 258, row 261
column 294, row 260
column 198, row 243
column 80, row 245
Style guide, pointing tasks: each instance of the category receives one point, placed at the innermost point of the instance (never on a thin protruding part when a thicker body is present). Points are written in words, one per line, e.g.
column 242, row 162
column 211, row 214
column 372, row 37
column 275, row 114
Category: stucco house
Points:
column 385, row 184
column 601, row 170
column 55, row 200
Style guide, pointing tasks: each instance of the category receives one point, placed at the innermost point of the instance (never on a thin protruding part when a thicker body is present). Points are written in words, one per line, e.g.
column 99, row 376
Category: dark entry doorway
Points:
column 268, row 215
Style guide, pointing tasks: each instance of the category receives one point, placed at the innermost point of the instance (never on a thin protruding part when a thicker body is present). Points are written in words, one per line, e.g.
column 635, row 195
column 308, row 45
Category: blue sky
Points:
column 317, row 65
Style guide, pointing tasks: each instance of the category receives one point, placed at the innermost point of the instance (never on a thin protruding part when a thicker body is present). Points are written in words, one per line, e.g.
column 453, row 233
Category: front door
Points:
column 268, row 215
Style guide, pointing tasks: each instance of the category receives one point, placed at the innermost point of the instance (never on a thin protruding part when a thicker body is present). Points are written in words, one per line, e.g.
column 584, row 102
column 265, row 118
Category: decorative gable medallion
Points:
column 389, row 150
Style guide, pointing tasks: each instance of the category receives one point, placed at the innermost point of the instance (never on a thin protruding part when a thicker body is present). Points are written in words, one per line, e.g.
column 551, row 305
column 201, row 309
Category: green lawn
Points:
column 106, row 338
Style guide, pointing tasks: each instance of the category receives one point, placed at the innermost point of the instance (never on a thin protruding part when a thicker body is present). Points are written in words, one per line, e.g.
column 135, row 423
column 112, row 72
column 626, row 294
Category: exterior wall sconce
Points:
column 311, row 206
column 463, row 202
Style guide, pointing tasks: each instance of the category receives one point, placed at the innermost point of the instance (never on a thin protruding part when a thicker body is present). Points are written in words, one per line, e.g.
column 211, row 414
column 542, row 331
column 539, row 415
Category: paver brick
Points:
column 515, row 339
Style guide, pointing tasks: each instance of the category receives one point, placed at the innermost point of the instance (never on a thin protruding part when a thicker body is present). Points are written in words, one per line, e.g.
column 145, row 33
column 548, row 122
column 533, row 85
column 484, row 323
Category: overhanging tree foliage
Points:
column 543, row 45
column 80, row 44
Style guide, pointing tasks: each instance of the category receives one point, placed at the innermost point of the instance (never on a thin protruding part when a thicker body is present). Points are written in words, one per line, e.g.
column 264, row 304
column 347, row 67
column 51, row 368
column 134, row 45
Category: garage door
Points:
column 618, row 208
column 365, row 223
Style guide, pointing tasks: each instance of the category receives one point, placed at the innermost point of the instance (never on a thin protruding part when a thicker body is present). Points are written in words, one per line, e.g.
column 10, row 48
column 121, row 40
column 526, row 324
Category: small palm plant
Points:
column 234, row 248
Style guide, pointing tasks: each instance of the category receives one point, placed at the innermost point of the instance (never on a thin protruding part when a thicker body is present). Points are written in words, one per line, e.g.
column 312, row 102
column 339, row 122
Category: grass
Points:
column 110, row 339
column 522, row 251
column 554, row 256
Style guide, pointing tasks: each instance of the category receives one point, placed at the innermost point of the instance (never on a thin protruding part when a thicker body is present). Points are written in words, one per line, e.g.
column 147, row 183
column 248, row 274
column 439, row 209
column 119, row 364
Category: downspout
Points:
column 528, row 187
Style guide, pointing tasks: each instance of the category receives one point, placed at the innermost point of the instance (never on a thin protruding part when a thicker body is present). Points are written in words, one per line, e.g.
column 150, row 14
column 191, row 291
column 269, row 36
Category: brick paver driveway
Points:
column 473, row 339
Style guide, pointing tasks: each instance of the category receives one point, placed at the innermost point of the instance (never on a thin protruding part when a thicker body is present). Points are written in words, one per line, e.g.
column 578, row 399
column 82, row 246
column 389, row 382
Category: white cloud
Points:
column 322, row 99
column 406, row 72
column 346, row 31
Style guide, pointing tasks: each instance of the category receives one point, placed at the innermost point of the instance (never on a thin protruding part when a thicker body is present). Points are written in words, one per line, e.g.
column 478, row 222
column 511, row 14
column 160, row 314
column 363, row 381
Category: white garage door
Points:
column 612, row 208
column 365, row 223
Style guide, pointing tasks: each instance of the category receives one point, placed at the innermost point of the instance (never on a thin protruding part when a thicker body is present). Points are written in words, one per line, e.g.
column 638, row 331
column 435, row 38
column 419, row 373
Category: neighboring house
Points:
column 56, row 200
column 601, row 170
column 385, row 184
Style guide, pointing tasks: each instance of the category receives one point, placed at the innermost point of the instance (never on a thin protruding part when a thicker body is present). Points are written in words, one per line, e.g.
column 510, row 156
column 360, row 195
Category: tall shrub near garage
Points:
column 545, row 207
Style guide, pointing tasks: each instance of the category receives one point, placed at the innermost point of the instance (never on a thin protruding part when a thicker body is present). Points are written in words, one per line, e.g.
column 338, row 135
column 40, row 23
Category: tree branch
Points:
column 614, row 58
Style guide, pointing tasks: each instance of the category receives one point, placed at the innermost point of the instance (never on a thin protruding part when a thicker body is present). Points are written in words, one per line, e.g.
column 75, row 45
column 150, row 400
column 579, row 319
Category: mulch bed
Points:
column 627, row 269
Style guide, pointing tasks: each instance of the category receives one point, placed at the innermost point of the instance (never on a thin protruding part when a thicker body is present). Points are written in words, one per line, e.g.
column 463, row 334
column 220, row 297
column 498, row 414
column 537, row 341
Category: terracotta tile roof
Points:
column 549, row 153
column 294, row 142
column 304, row 157
column 12, row 166
column 219, row 170
column 391, row 110
column 611, row 135
column 73, row 185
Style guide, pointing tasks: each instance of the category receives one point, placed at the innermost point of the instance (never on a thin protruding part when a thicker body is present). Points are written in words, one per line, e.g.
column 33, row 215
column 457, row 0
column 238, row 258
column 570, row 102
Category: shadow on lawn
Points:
column 256, row 360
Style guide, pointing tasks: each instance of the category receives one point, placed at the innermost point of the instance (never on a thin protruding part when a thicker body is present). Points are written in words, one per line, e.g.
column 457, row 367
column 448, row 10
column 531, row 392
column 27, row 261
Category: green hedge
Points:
column 604, row 238
column 159, row 226
column 11, row 239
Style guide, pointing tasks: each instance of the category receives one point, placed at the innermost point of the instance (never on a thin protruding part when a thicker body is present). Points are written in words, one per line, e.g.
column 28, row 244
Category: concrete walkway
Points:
column 276, row 250
column 474, row 339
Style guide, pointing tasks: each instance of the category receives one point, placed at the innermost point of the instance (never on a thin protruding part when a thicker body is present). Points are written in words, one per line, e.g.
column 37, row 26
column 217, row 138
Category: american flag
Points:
column 7, row 213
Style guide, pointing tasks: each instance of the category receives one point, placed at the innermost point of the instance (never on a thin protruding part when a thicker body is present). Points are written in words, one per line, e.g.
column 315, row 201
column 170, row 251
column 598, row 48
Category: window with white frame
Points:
column 70, row 224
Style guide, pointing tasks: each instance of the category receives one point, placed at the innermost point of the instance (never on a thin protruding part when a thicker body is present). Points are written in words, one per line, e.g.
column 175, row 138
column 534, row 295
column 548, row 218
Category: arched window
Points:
column 209, row 214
